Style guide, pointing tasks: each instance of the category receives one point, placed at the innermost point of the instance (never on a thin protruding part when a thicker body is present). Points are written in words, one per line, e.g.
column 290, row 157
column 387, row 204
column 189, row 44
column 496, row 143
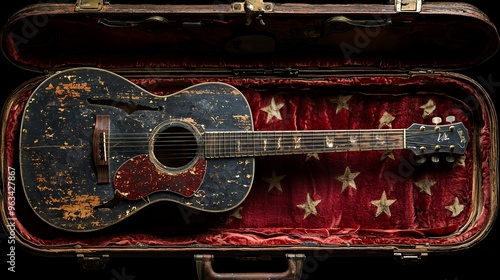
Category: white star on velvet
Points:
column 459, row 161
column 425, row 186
column 383, row 205
column 341, row 102
column 456, row 208
column 386, row 120
column 309, row 206
column 273, row 110
column 347, row 179
column 312, row 155
column 387, row 154
column 236, row 213
column 274, row 181
column 428, row 108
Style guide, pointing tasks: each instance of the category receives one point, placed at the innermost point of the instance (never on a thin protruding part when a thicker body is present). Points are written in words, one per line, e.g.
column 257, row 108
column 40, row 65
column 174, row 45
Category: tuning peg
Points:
column 421, row 159
column 450, row 158
column 450, row 119
column 436, row 120
column 435, row 159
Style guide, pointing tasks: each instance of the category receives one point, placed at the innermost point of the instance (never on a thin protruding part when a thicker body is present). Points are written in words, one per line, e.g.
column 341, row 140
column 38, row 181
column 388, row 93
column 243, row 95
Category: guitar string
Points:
column 256, row 148
column 182, row 135
column 228, row 140
column 353, row 131
column 305, row 139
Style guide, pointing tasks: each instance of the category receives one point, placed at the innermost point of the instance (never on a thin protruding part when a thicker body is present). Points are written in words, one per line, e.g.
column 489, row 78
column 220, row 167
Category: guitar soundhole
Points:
column 175, row 147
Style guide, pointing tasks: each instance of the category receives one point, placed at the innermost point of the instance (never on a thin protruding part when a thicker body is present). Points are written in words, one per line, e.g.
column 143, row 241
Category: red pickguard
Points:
column 139, row 177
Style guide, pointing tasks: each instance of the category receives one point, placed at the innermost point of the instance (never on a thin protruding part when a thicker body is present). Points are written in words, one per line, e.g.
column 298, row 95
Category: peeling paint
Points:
column 189, row 120
column 242, row 118
column 79, row 207
column 44, row 188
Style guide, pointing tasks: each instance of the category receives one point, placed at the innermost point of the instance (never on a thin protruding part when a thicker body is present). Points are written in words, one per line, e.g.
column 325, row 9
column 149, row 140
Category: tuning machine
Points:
column 450, row 158
column 436, row 159
column 437, row 121
column 421, row 159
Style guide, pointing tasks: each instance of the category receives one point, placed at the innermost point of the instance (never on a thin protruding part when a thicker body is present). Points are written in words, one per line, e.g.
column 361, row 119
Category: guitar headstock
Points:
column 449, row 140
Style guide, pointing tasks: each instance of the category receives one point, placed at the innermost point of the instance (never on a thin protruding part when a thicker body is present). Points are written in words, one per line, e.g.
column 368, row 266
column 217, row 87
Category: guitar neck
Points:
column 266, row 143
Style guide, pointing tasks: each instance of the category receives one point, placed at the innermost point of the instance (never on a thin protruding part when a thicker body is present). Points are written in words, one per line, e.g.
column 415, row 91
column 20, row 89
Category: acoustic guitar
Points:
column 96, row 148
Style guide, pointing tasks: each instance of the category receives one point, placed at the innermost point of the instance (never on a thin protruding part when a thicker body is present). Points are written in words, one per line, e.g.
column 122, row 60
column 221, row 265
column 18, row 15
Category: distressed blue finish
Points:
column 56, row 155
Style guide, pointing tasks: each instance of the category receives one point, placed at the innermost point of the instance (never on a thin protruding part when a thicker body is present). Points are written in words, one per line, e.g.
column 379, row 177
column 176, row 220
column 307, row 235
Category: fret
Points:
column 244, row 144
column 214, row 144
column 297, row 145
column 256, row 148
column 227, row 144
column 373, row 137
column 329, row 142
column 380, row 139
column 250, row 147
column 365, row 141
column 279, row 147
column 265, row 143
column 239, row 144
column 274, row 145
column 388, row 142
column 208, row 146
column 250, row 144
column 234, row 144
column 219, row 140
column 312, row 140
column 258, row 144
column 352, row 142
column 341, row 139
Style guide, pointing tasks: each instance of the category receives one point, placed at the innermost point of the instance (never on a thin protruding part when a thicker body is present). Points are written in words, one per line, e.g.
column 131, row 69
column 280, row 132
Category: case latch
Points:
column 410, row 256
column 409, row 6
column 253, row 9
column 89, row 5
column 93, row 262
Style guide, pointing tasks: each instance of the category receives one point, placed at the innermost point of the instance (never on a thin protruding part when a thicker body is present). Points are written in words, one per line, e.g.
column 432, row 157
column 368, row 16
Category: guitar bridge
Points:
column 100, row 145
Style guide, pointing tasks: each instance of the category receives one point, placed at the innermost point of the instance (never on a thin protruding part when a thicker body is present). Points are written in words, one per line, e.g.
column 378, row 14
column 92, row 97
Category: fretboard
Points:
column 266, row 143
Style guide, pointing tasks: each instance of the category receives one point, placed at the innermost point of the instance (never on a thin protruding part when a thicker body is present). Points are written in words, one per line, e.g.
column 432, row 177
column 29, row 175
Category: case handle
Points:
column 205, row 271
column 153, row 24
column 381, row 22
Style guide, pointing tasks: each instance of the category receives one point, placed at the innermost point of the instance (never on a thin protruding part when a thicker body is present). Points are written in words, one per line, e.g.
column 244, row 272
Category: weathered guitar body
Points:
column 58, row 161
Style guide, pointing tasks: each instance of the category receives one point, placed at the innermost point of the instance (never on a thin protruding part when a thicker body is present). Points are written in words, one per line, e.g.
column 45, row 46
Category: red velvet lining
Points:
column 271, row 217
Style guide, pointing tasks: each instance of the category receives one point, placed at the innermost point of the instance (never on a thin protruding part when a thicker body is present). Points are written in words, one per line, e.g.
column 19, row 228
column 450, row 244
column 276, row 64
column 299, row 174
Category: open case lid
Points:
column 50, row 36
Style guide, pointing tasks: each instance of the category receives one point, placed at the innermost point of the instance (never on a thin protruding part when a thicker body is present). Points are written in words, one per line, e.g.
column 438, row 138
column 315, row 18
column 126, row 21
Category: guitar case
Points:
column 351, row 73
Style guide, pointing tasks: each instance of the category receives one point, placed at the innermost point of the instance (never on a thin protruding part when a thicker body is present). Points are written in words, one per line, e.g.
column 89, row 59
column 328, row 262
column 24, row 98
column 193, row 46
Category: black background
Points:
column 481, row 261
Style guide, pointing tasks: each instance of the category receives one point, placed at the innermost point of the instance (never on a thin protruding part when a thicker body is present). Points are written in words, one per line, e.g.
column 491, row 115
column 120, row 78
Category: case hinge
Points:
column 253, row 9
column 410, row 256
column 93, row 262
column 90, row 5
column 408, row 6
